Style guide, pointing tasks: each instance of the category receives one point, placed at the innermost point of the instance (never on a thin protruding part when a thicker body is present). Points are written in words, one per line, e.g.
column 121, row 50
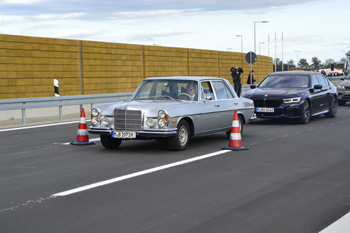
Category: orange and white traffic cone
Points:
column 82, row 135
column 235, row 137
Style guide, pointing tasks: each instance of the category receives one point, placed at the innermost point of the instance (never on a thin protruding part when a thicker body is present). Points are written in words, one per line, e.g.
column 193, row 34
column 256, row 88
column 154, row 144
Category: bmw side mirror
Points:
column 253, row 86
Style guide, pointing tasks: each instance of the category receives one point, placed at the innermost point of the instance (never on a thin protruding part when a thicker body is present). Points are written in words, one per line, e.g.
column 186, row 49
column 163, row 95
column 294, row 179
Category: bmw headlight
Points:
column 340, row 87
column 292, row 100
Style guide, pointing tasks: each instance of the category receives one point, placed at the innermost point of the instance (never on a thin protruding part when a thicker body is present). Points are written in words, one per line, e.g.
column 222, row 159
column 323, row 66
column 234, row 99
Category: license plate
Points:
column 264, row 110
column 123, row 134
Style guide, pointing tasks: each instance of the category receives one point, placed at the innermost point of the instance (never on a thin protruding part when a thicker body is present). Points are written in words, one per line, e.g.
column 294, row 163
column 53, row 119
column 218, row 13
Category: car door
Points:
column 315, row 95
column 209, row 107
column 225, row 103
column 325, row 97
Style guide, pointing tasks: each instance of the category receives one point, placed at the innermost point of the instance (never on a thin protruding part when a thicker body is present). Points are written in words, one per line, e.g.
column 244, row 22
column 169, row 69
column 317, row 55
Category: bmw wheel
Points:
column 181, row 140
column 333, row 109
column 305, row 113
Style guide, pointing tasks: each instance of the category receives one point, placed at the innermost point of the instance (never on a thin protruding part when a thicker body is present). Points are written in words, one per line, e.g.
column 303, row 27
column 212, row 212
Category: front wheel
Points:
column 305, row 113
column 110, row 143
column 333, row 109
column 181, row 140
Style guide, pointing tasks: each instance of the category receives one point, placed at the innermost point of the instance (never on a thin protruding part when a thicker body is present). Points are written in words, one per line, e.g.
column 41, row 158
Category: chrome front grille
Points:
column 127, row 120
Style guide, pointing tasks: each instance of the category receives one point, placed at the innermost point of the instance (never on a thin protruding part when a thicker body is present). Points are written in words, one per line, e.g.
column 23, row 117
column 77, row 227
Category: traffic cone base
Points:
column 235, row 137
column 82, row 135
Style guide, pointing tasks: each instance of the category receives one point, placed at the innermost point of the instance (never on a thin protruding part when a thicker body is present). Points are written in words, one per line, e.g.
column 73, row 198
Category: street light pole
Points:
column 297, row 51
column 255, row 22
column 241, row 45
column 241, row 42
column 259, row 47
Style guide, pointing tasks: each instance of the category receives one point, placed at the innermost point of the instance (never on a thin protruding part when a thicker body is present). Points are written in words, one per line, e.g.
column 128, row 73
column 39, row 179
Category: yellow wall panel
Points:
column 28, row 65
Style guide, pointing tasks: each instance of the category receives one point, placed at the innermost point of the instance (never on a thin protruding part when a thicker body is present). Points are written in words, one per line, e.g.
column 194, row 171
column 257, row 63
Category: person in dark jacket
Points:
column 251, row 79
column 236, row 76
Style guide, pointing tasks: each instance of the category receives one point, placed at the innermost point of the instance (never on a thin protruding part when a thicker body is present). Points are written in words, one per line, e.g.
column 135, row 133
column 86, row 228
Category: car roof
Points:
column 287, row 73
column 192, row 78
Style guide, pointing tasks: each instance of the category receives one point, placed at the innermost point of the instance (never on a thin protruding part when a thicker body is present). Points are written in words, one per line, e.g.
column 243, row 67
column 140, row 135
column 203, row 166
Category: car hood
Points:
column 345, row 83
column 149, row 107
column 276, row 92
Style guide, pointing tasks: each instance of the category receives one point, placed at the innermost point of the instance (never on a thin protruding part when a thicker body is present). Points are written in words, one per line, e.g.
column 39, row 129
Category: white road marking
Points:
column 140, row 173
column 340, row 226
column 38, row 126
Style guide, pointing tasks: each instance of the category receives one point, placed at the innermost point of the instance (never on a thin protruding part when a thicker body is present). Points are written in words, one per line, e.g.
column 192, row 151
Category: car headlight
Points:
column 341, row 87
column 94, row 120
column 95, row 112
column 292, row 100
column 162, row 119
column 150, row 122
column 104, row 121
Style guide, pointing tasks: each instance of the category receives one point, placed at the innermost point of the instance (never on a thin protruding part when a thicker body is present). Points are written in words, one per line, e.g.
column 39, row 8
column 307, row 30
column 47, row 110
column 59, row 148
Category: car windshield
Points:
column 167, row 90
column 289, row 81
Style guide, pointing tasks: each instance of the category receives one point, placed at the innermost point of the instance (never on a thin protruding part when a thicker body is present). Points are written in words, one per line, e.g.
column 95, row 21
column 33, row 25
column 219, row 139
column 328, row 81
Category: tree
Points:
column 316, row 64
column 279, row 64
column 303, row 64
column 328, row 62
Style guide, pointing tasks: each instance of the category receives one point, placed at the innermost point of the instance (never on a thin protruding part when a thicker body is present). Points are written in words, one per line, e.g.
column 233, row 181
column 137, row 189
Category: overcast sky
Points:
column 314, row 27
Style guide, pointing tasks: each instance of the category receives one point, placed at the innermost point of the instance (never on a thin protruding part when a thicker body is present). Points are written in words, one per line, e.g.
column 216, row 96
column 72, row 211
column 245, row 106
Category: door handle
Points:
column 235, row 103
column 217, row 105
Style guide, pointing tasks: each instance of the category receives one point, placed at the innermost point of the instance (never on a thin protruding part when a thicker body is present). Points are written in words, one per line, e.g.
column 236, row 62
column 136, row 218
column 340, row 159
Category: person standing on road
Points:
column 251, row 79
column 236, row 76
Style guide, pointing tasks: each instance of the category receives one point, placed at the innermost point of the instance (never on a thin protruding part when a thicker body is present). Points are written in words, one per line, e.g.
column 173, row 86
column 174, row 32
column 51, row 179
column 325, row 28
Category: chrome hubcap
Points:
column 183, row 135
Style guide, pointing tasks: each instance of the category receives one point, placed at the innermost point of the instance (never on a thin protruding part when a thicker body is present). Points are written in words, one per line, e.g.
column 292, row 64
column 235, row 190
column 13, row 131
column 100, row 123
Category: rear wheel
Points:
column 305, row 113
column 333, row 109
column 110, row 143
column 181, row 140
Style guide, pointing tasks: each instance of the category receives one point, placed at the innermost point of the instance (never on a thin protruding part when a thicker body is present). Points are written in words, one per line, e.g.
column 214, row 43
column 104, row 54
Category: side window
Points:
column 221, row 90
column 207, row 91
column 322, row 81
column 314, row 81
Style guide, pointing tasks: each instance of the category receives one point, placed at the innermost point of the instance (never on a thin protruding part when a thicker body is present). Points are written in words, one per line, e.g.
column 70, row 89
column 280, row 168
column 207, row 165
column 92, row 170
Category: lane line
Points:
column 140, row 173
column 340, row 226
column 38, row 126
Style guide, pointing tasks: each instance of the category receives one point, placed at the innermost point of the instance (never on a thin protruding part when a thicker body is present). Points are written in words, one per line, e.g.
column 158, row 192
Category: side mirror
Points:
column 209, row 98
column 318, row 86
column 253, row 86
column 342, row 78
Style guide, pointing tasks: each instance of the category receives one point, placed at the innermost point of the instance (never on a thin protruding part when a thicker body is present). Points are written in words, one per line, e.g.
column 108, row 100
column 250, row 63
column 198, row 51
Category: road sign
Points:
column 251, row 58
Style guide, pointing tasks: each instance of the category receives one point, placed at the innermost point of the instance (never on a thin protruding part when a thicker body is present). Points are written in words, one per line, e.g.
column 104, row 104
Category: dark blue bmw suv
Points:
column 295, row 95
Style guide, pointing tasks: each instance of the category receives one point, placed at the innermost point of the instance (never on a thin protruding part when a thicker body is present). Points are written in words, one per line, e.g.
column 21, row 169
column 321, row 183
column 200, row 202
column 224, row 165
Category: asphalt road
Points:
column 294, row 178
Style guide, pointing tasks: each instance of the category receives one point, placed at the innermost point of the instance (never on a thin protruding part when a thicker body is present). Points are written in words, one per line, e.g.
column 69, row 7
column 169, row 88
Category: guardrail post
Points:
column 23, row 116
column 60, row 112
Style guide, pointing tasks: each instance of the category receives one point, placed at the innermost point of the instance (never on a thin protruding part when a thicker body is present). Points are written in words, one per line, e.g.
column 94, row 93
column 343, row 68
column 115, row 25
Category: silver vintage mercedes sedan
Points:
column 172, row 110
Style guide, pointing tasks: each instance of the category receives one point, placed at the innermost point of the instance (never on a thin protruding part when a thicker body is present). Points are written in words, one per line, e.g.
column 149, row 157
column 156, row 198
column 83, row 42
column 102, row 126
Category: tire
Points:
column 333, row 109
column 305, row 113
column 240, row 119
column 181, row 140
column 341, row 102
column 110, row 143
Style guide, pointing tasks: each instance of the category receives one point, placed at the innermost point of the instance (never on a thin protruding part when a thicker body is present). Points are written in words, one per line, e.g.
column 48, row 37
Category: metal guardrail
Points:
column 27, row 103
